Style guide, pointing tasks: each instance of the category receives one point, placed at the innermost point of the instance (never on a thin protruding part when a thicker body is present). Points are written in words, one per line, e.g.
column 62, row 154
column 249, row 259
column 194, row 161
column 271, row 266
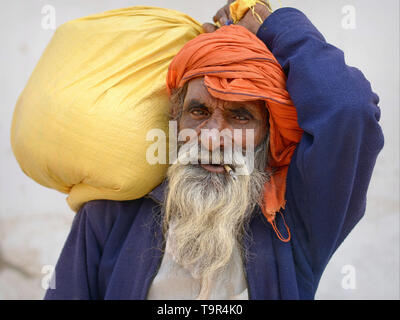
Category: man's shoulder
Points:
column 103, row 215
column 110, row 207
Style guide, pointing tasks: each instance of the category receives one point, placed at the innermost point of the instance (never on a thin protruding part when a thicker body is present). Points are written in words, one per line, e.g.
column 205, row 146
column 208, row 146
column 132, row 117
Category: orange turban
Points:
column 237, row 66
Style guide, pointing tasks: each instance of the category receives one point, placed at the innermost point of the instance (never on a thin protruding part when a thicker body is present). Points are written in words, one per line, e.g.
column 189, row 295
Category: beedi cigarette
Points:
column 229, row 170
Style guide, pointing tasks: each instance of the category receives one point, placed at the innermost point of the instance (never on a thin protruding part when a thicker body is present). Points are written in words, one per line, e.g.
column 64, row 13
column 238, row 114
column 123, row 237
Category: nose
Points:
column 215, row 133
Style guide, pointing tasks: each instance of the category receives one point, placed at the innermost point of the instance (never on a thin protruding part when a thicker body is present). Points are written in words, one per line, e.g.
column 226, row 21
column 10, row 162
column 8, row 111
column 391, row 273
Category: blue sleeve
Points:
column 76, row 272
column 332, row 166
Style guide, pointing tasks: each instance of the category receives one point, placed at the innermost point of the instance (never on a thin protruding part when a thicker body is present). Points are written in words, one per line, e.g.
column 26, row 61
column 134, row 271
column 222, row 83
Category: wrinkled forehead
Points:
column 197, row 93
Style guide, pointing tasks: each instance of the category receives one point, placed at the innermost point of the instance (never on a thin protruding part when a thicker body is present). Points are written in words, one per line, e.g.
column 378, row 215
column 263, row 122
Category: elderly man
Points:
column 202, row 234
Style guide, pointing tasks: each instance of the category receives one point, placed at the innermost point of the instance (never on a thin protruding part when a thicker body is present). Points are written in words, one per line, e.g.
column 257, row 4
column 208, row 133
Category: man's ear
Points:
column 174, row 111
column 177, row 100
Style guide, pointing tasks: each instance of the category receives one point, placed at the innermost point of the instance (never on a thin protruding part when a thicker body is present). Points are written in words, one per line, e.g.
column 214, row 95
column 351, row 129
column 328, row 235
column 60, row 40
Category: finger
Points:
column 226, row 17
column 209, row 27
column 223, row 21
column 221, row 13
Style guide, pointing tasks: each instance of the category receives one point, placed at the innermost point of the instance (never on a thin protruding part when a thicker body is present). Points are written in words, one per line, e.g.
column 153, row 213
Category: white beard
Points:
column 205, row 215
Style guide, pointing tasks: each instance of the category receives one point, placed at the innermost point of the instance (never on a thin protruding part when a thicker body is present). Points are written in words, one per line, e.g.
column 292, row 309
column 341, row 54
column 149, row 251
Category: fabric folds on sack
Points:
column 80, row 124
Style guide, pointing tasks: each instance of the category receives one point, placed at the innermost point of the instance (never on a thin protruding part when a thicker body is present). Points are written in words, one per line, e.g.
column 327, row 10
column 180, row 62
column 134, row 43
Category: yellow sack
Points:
column 80, row 124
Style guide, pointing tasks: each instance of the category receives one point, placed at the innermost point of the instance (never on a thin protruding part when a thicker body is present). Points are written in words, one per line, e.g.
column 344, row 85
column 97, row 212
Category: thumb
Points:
column 209, row 27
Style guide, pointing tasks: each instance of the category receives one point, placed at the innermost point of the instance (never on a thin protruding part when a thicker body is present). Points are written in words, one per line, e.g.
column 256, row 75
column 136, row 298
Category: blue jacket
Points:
column 114, row 248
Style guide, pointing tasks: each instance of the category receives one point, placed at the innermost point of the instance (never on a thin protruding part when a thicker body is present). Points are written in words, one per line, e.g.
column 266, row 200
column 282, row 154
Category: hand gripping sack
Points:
column 80, row 124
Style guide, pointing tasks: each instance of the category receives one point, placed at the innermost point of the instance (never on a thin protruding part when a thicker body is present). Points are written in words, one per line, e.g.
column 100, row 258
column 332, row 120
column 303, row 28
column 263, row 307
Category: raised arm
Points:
column 331, row 169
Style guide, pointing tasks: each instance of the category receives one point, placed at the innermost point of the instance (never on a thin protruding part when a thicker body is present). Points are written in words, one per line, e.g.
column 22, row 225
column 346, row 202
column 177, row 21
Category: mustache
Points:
column 195, row 154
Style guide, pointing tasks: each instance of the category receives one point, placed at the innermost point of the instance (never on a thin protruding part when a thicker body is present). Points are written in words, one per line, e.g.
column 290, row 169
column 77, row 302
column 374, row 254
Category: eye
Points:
column 199, row 112
column 241, row 118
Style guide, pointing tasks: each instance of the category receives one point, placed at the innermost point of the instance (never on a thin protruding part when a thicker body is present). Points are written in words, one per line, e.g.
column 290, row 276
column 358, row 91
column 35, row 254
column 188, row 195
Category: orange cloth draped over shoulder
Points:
column 237, row 66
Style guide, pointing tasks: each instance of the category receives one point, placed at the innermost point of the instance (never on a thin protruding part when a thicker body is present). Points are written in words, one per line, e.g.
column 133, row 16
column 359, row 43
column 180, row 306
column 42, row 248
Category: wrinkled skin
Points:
column 202, row 111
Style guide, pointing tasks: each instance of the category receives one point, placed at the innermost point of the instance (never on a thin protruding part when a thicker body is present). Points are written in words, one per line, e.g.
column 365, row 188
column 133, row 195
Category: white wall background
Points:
column 34, row 221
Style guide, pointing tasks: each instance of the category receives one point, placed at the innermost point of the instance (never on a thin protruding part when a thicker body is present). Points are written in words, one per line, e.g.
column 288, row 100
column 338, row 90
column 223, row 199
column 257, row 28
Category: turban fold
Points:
column 237, row 66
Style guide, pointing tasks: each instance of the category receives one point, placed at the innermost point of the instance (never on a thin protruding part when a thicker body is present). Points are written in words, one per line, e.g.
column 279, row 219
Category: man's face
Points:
column 206, row 210
column 202, row 111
